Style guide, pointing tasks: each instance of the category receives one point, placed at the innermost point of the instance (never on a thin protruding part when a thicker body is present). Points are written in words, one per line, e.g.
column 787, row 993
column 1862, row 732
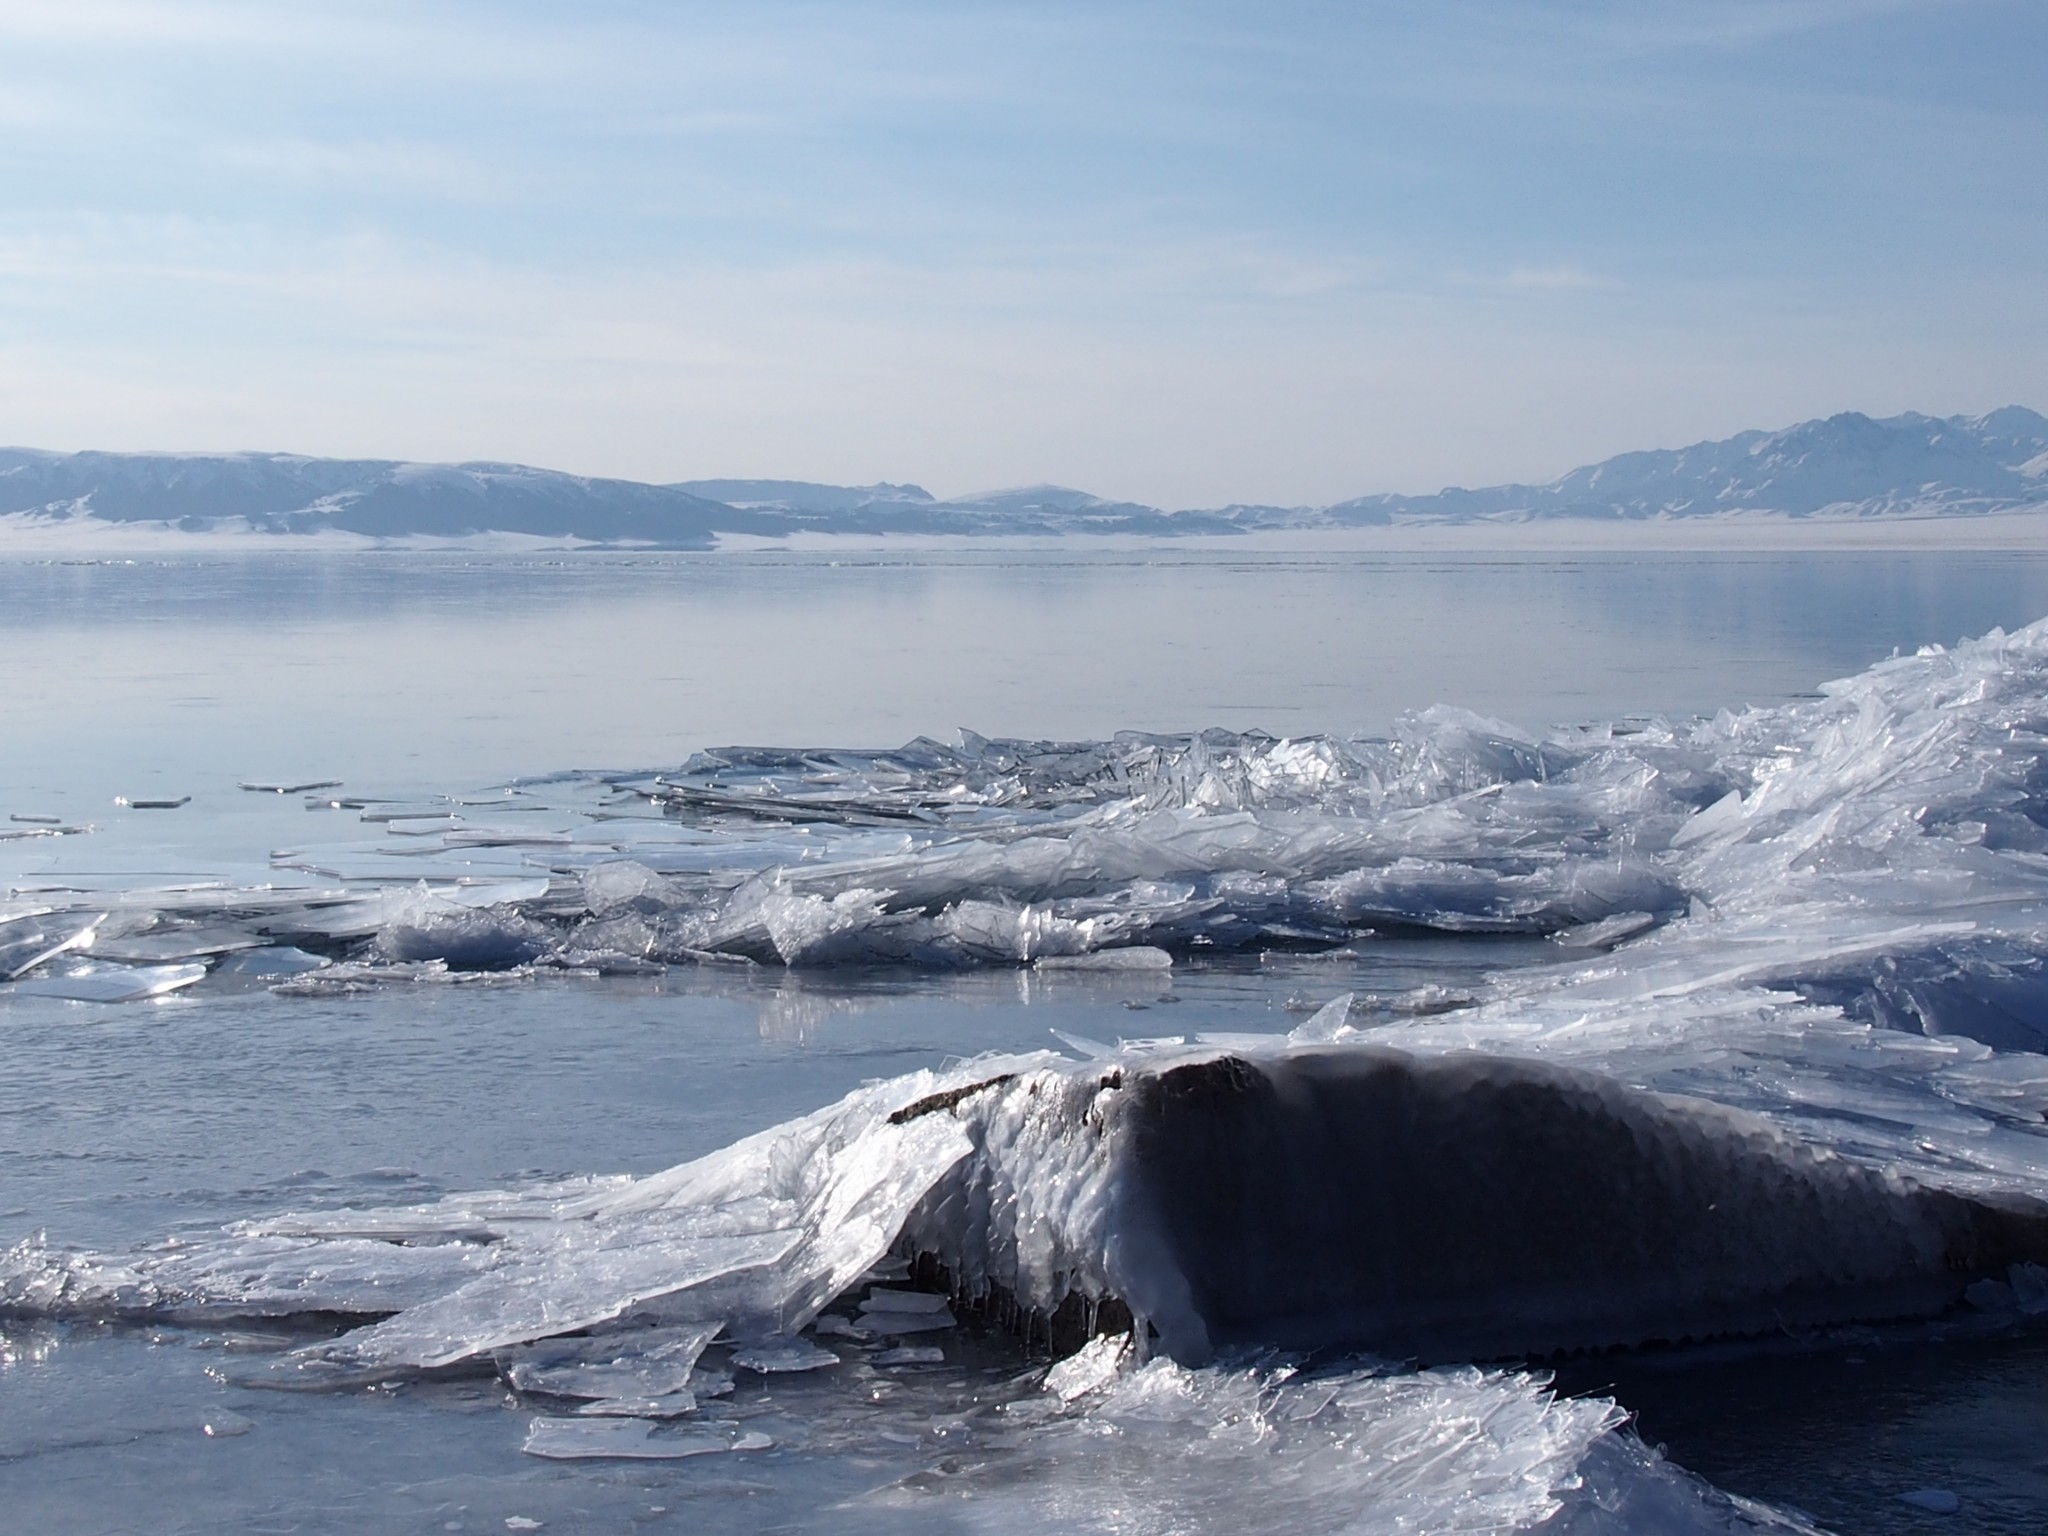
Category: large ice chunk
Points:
column 35, row 938
column 424, row 925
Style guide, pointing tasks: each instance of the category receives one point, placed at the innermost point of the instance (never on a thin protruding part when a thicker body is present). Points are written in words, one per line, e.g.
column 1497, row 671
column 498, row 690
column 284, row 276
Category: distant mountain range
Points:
column 1848, row 466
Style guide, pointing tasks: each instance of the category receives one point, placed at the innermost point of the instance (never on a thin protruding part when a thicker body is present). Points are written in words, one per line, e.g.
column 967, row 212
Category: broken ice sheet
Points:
column 670, row 1405
column 893, row 1324
column 385, row 812
column 36, row 937
column 584, row 1439
column 909, row 1354
column 40, row 826
column 886, row 1299
column 1163, row 1449
column 425, row 925
column 1332, row 1021
column 627, row 1363
column 272, row 960
column 1606, row 933
column 112, row 983
column 584, row 1277
column 422, row 826
column 779, row 1356
column 171, row 942
column 896, row 1312
column 625, row 885
column 1135, row 957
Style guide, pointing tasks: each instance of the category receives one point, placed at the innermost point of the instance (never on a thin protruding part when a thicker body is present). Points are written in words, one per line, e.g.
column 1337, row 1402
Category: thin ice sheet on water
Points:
column 909, row 1354
column 588, row 1438
column 628, row 1362
column 161, row 943
column 782, row 1357
column 669, row 1405
column 896, row 1324
column 755, row 1239
column 110, row 983
column 37, row 937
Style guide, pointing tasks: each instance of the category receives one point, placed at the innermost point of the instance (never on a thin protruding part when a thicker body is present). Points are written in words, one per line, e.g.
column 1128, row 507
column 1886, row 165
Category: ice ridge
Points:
column 1786, row 1069
column 1828, row 915
column 1447, row 1205
column 1879, row 849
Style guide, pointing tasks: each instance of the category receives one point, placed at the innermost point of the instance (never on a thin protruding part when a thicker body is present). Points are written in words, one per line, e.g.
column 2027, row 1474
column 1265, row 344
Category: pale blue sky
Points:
column 1186, row 253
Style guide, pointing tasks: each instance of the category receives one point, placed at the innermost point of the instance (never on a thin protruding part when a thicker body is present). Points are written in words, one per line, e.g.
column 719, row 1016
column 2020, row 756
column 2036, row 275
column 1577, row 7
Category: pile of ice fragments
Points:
column 1822, row 925
column 1879, row 847
column 621, row 1310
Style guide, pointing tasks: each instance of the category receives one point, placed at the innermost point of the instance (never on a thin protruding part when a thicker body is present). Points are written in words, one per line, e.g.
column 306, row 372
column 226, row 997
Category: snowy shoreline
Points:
column 29, row 536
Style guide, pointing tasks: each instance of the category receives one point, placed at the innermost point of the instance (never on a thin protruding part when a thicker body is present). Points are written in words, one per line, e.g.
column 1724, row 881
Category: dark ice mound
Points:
column 1477, row 1207
column 1460, row 1206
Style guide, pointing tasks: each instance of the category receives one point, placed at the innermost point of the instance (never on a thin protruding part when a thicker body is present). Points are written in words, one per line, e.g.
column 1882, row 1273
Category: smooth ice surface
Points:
column 190, row 675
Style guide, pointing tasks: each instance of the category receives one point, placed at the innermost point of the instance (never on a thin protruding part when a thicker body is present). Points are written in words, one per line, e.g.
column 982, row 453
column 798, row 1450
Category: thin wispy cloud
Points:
column 1181, row 254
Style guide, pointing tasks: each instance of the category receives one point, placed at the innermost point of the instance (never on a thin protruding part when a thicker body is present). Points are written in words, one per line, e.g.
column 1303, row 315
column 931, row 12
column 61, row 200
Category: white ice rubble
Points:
column 1831, row 914
column 1880, row 848
column 1859, row 956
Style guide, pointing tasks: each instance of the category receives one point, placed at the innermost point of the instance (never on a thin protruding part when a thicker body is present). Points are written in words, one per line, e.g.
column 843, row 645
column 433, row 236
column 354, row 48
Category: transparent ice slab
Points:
column 100, row 983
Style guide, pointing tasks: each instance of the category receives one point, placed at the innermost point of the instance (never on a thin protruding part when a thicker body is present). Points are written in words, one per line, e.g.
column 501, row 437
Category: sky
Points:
column 1186, row 254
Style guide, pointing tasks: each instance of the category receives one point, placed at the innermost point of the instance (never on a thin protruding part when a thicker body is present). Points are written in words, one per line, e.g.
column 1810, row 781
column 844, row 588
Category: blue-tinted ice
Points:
column 1824, row 917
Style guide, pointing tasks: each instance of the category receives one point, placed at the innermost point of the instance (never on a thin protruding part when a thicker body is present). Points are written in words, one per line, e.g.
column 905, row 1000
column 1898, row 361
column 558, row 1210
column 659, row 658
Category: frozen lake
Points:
column 433, row 683
column 449, row 670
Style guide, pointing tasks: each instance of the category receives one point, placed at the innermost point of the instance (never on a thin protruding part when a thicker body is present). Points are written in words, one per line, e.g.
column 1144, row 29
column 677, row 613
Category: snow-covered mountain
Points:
column 1031, row 509
column 804, row 496
column 1846, row 466
column 375, row 498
